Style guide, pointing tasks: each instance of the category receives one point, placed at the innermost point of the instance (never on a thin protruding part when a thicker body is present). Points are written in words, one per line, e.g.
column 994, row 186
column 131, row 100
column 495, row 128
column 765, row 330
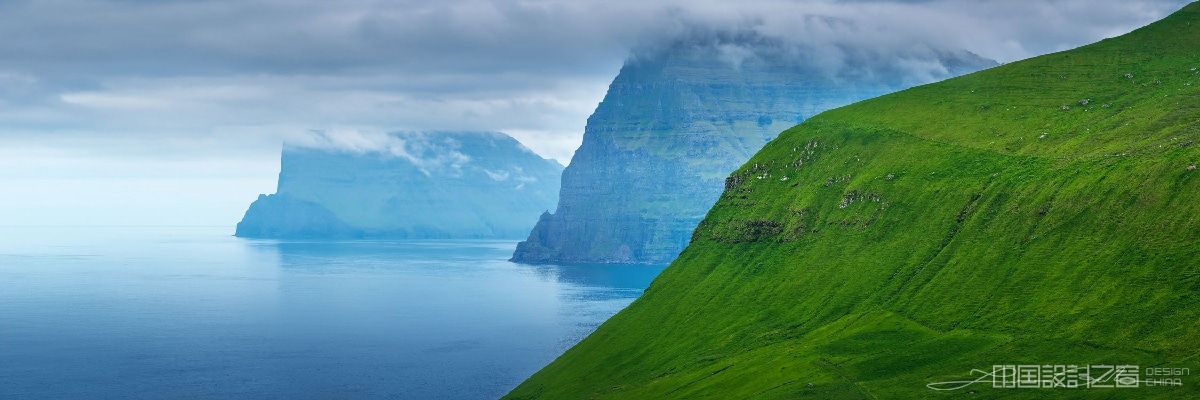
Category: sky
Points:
column 172, row 112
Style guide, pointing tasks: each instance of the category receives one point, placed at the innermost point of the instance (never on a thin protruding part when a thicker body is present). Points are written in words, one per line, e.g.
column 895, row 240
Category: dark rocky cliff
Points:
column 674, row 123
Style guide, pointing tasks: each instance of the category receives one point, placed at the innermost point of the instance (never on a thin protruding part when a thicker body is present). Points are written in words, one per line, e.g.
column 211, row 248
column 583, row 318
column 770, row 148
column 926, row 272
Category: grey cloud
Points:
column 216, row 75
column 86, row 39
column 424, row 151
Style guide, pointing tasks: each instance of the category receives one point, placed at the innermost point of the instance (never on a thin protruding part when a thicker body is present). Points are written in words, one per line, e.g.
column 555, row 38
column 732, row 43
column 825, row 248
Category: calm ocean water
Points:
column 192, row 313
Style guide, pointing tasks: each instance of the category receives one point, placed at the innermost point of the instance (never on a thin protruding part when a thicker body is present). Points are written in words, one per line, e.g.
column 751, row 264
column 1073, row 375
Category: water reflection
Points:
column 636, row 277
column 374, row 254
column 456, row 319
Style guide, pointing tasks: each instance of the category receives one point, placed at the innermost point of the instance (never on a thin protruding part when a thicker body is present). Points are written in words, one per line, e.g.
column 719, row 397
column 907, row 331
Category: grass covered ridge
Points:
column 1041, row 212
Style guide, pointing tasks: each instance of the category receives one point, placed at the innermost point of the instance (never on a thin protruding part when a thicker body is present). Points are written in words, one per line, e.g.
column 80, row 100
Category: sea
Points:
column 195, row 313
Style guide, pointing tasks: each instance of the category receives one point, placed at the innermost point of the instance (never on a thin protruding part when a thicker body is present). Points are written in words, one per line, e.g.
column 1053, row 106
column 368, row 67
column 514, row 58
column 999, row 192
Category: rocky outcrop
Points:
column 406, row 185
column 280, row 215
column 674, row 123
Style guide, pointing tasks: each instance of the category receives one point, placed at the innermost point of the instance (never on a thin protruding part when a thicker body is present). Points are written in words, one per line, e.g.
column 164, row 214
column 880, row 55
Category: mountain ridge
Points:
column 1044, row 212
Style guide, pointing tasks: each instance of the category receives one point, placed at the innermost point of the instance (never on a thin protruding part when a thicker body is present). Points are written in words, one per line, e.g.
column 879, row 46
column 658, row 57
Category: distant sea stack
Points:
column 405, row 185
column 677, row 120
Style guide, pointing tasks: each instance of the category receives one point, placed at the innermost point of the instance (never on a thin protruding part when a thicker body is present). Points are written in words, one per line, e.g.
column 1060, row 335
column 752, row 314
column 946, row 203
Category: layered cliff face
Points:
column 407, row 185
column 1045, row 212
column 674, row 123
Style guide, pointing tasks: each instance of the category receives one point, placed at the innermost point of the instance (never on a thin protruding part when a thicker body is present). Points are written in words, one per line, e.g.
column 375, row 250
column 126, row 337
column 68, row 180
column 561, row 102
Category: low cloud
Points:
column 176, row 71
column 427, row 152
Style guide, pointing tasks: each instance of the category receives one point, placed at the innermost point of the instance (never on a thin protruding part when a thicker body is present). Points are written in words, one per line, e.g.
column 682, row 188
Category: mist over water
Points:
column 194, row 313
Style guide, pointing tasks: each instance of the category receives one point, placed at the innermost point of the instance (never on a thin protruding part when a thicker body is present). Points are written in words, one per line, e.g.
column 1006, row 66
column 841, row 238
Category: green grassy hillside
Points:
column 1041, row 212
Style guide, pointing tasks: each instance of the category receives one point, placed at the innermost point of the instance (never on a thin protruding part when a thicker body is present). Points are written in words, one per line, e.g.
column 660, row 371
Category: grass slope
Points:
column 995, row 218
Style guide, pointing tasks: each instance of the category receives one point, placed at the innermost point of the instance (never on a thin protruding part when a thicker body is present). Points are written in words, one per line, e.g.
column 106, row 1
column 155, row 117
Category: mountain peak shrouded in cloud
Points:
column 352, row 184
column 833, row 59
column 426, row 151
column 107, row 83
column 679, row 117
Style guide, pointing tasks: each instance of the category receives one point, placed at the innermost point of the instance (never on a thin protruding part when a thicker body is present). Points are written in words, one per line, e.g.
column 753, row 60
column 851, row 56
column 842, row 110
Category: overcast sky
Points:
column 173, row 112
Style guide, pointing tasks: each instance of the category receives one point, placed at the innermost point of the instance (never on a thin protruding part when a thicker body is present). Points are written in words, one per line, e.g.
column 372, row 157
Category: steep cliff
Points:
column 1041, row 213
column 407, row 185
column 675, row 121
